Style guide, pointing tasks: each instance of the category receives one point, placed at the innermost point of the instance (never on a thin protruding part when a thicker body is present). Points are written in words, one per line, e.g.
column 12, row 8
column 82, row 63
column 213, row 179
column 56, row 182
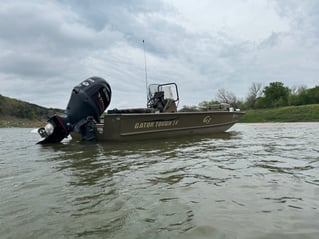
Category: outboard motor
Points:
column 88, row 101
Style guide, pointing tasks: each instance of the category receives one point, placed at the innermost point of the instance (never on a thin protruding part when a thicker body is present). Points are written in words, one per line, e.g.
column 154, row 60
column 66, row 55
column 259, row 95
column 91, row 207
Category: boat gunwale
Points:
column 174, row 113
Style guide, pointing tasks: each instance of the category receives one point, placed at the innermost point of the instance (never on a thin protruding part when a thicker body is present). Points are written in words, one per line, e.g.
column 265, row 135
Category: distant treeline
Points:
column 16, row 108
column 272, row 96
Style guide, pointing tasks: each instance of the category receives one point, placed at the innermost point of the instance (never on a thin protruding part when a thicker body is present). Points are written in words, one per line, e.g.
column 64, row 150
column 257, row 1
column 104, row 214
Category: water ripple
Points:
column 256, row 181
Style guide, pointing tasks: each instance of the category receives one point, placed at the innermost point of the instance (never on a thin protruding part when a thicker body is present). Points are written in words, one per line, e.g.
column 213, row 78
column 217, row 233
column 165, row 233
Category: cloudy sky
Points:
column 48, row 47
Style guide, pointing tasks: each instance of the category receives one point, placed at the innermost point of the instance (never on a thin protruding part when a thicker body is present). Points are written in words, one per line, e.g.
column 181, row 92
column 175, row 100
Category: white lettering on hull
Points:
column 155, row 124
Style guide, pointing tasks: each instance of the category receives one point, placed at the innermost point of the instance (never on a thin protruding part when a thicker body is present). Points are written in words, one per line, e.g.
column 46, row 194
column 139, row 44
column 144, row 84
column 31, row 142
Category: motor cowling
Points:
column 87, row 103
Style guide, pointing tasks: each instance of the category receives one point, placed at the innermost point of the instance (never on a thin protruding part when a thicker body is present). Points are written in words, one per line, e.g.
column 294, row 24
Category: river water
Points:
column 255, row 181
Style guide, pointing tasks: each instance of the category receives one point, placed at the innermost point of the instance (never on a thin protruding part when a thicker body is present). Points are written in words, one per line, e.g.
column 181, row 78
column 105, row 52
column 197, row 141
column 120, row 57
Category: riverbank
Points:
column 303, row 113
column 15, row 122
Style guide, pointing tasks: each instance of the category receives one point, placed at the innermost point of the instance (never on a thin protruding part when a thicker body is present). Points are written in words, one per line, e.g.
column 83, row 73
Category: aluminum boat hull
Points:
column 143, row 126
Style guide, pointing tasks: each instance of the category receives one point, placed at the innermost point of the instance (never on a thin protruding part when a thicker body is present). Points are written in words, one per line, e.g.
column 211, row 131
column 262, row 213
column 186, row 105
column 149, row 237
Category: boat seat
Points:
column 131, row 111
column 170, row 106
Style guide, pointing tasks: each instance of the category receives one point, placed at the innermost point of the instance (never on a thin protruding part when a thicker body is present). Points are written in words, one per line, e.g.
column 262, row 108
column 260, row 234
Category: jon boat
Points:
column 161, row 119
column 84, row 116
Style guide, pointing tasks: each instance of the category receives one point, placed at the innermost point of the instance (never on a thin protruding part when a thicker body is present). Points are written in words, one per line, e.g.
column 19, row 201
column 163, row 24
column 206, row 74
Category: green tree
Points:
column 295, row 93
column 310, row 96
column 275, row 95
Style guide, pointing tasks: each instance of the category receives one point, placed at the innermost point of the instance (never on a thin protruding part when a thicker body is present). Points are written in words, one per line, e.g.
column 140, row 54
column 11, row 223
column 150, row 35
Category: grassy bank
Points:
column 303, row 113
column 11, row 121
column 17, row 113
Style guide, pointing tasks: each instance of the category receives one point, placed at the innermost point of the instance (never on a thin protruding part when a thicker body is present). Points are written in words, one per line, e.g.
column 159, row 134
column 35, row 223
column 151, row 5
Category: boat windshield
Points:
column 169, row 90
column 163, row 97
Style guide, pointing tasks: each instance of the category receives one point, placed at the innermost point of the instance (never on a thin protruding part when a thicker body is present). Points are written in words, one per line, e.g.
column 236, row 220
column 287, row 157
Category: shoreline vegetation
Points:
column 21, row 114
column 15, row 122
column 302, row 113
